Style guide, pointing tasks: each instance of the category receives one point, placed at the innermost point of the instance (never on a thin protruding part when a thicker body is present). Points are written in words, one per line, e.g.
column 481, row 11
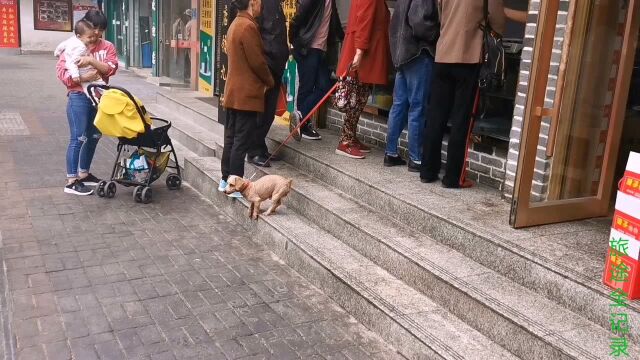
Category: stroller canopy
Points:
column 117, row 115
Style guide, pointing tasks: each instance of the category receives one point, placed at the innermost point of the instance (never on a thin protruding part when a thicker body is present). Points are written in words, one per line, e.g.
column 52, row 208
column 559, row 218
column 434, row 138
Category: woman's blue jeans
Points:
column 410, row 97
column 83, row 135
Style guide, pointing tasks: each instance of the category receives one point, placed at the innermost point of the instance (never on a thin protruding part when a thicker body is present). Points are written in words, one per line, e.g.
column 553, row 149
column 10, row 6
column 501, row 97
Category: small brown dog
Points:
column 272, row 187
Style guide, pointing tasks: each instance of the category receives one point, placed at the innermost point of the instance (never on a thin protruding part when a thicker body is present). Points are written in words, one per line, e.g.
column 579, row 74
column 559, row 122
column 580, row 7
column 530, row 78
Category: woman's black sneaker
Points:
column 90, row 180
column 77, row 188
column 309, row 133
column 393, row 161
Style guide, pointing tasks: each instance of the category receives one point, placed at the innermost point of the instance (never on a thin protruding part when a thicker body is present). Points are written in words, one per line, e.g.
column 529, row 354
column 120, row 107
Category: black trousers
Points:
column 239, row 130
column 259, row 144
column 453, row 92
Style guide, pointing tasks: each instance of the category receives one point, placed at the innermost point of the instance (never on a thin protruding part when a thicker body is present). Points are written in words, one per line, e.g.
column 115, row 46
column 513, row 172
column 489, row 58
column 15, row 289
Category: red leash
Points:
column 476, row 104
column 306, row 118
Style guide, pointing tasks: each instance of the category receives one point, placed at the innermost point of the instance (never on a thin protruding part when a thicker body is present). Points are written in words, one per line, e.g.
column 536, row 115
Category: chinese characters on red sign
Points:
column 9, row 27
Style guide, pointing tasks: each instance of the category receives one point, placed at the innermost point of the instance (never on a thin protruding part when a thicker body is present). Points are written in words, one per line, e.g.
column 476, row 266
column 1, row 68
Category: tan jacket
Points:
column 460, row 35
column 248, row 75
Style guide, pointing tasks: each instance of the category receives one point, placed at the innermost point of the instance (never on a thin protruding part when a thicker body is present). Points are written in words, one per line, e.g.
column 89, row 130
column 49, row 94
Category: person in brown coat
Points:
column 365, row 50
column 248, row 79
column 454, row 85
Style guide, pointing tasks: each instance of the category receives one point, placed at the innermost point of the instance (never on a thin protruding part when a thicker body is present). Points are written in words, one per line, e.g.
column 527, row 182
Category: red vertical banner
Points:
column 9, row 25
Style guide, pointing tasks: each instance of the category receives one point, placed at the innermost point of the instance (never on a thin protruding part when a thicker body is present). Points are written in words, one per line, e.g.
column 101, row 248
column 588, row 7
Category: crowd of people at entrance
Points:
column 436, row 47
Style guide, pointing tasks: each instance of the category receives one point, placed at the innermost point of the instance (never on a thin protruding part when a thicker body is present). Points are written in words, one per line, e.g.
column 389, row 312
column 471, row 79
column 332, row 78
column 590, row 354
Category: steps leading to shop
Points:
column 482, row 298
column 201, row 140
column 425, row 221
column 486, row 240
column 406, row 318
column 187, row 105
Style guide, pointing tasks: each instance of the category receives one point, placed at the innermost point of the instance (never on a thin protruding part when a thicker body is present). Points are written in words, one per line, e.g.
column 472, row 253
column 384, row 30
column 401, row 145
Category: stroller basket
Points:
column 145, row 138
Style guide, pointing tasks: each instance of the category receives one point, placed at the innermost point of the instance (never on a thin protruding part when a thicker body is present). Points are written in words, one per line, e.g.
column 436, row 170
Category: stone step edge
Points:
column 510, row 316
column 560, row 276
column 168, row 96
column 547, row 265
column 200, row 140
column 273, row 230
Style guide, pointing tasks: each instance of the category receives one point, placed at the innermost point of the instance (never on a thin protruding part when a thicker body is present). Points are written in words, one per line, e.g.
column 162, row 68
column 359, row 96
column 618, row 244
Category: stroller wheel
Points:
column 110, row 190
column 100, row 190
column 146, row 195
column 174, row 182
column 137, row 193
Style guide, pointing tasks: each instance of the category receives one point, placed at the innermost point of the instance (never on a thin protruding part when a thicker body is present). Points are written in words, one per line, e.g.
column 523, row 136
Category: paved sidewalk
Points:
column 89, row 278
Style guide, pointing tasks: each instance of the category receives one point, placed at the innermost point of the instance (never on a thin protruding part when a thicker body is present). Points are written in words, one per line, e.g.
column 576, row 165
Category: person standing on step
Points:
column 454, row 84
column 315, row 26
column 365, row 53
column 273, row 29
column 413, row 35
column 248, row 79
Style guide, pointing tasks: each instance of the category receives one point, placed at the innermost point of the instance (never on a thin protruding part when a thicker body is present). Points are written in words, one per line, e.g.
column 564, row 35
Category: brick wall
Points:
column 543, row 164
column 486, row 164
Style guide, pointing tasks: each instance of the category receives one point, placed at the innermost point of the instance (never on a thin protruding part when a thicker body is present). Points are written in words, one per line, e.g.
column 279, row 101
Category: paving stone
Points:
column 92, row 278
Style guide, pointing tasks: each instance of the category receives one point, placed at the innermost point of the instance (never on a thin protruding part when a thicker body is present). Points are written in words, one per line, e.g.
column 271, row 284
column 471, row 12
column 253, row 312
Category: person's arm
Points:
column 253, row 50
column 107, row 68
column 364, row 23
column 516, row 15
column 62, row 73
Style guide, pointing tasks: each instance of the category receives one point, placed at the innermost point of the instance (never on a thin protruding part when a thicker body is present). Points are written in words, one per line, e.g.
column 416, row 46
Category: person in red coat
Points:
column 365, row 51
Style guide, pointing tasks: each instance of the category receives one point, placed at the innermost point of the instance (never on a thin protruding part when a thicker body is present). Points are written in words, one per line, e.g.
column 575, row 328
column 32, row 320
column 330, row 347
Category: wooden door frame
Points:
column 525, row 213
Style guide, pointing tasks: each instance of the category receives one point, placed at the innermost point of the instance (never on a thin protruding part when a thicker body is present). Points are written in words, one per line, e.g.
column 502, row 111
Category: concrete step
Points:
column 201, row 141
column 537, row 328
column 187, row 105
column 182, row 153
column 406, row 318
column 428, row 209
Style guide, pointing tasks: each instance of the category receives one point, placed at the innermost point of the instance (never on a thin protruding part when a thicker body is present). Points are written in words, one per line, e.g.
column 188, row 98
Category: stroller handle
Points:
column 95, row 101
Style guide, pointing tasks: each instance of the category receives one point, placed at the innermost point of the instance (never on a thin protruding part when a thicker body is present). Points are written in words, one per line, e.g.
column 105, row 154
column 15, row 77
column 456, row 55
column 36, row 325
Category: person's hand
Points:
column 76, row 80
column 355, row 64
column 85, row 61
column 90, row 76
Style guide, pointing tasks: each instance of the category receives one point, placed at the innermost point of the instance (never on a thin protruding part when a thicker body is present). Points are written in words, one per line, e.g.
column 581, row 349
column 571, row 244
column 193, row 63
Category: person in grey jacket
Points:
column 413, row 34
column 273, row 30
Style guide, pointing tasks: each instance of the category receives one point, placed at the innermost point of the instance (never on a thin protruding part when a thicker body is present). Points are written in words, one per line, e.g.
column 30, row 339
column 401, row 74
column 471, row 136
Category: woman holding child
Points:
column 102, row 58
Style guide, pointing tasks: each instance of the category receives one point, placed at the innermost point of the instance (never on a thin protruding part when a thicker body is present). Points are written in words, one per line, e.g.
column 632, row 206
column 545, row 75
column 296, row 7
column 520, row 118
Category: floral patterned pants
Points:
column 352, row 116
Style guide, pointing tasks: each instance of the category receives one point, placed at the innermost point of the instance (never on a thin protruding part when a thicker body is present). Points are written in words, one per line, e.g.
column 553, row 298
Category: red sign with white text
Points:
column 9, row 26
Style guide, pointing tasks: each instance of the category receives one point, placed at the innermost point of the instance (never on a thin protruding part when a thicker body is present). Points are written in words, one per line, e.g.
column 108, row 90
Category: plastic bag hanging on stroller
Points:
column 122, row 115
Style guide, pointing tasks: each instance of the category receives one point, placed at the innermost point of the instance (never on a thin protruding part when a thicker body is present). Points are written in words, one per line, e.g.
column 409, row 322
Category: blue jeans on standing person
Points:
column 83, row 135
column 410, row 98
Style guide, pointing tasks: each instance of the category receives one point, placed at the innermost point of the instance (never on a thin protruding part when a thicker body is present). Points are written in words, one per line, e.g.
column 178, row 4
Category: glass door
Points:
column 579, row 83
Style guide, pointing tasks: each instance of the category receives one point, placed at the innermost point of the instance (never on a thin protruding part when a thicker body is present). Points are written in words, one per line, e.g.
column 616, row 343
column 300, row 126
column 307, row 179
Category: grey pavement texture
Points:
column 85, row 278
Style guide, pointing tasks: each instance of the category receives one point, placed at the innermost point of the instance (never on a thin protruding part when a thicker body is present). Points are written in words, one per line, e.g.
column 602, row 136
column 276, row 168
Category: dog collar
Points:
column 245, row 186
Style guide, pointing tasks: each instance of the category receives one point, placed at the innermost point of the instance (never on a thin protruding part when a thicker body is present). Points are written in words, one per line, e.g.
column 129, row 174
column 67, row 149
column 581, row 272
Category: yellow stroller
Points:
column 144, row 151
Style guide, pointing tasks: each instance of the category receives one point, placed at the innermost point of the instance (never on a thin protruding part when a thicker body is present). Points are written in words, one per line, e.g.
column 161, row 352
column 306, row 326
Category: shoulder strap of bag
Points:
column 486, row 12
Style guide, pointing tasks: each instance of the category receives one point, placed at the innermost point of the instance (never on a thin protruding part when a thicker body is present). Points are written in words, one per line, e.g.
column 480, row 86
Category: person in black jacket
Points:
column 413, row 35
column 315, row 25
column 273, row 29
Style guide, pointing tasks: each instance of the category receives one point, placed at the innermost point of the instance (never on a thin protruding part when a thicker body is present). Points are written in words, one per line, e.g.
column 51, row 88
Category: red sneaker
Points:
column 350, row 150
column 362, row 147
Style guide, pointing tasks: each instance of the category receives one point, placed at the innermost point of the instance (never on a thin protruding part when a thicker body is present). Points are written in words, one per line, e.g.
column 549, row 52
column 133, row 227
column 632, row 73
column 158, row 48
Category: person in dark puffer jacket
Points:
column 273, row 29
